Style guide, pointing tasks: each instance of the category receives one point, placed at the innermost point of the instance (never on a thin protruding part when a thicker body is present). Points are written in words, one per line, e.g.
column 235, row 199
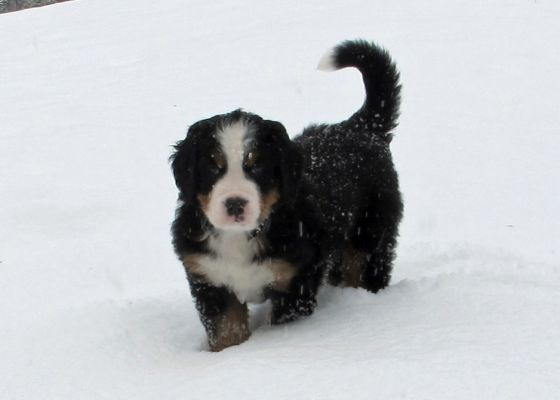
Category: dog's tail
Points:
column 380, row 110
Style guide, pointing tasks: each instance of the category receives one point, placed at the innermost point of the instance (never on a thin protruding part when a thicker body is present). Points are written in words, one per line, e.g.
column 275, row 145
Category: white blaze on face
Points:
column 234, row 185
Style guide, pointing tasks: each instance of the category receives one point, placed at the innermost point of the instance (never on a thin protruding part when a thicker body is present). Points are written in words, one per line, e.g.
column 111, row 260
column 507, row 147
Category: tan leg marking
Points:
column 353, row 263
column 231, row 327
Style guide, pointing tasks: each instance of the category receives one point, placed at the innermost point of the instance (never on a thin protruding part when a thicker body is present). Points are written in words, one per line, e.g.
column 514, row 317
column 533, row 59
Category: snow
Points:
column 94, row 304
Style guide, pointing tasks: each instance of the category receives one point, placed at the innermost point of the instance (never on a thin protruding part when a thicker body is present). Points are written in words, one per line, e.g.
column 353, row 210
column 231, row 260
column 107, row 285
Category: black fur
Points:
column 338, row 189
column 355, row 182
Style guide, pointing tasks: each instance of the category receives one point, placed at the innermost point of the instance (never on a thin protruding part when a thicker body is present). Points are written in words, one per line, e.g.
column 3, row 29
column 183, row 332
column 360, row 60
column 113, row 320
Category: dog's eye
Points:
column 218, row 163
column 251, row 158
column 252, row 163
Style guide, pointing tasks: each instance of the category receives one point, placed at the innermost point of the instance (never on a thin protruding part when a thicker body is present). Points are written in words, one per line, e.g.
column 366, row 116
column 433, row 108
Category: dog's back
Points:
column 350, row 167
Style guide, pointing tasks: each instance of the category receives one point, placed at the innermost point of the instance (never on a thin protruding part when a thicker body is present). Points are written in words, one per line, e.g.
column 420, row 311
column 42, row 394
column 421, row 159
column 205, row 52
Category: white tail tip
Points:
column 327, row 62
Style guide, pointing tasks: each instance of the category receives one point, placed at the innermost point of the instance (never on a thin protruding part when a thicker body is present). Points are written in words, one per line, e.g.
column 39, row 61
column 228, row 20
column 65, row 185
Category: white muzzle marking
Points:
column 234, row 199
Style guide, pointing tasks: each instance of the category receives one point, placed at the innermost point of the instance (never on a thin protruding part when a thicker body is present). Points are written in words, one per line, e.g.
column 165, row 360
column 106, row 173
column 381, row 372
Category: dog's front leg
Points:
column 224, row 317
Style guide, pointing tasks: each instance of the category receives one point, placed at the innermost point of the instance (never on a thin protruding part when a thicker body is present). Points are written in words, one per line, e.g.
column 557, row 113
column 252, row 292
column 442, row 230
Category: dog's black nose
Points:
column 235, row 205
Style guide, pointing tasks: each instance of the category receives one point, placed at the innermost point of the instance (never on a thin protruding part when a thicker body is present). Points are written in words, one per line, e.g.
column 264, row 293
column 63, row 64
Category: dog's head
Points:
column 237, row 167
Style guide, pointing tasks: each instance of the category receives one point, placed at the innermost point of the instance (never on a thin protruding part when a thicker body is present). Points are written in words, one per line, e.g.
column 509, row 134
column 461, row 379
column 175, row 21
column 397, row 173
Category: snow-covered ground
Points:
column 93, row 304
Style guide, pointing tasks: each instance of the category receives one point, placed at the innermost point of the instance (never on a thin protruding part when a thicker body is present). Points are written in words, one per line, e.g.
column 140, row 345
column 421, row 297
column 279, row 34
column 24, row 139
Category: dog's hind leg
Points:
column 359, row 268
column 366, row 259
column 373, row 243
column 376, row 265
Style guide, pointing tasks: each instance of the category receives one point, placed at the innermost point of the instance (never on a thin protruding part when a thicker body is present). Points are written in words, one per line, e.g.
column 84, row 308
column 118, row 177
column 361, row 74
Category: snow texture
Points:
column 94, row 304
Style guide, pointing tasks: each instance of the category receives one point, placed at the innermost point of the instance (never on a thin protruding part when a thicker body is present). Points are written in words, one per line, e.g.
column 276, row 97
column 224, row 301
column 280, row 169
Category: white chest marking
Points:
column 234, row 268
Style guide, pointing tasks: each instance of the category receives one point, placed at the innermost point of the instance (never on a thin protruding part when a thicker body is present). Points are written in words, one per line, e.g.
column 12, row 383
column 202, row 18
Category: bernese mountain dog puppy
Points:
column 262, row 217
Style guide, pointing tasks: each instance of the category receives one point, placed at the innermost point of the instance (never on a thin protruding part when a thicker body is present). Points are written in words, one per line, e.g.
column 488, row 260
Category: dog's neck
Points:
column 262, row 227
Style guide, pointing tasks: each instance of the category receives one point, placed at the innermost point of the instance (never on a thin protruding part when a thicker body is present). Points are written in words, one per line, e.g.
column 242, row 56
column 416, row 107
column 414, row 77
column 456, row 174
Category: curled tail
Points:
column 380, row 110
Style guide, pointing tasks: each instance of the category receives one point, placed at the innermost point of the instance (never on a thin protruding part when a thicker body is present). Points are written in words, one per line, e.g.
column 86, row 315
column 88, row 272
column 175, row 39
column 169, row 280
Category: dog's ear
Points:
column 189, row 221
column 291, row 160
column 183, row 164
column 185, row 159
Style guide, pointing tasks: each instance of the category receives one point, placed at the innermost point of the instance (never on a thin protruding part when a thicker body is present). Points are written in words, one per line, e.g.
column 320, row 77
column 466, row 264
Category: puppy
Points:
column 260, row 216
